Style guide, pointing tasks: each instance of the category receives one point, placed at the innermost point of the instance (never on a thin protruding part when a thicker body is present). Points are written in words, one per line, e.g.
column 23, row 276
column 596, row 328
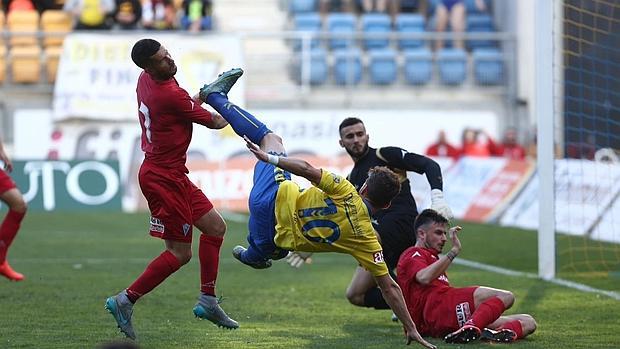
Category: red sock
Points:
column 157, row 271
column 514, row 325
column 8, row 230
column 487, row 312
column 209, row 255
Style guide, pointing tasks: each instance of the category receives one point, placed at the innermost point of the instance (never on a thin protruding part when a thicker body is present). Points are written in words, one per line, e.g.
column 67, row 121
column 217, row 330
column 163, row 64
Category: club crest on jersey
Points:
column 462, row 313
column 186, row 228
column 378, row 257
column 336, row 178
column 157, row 225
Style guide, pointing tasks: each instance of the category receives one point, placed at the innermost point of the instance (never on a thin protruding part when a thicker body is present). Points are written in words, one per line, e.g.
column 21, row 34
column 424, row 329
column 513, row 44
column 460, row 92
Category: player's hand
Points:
column 439, row 204
column 255, row 149
column 415, row 336
column 297, row 258
column 8, row 165
column 452, row 234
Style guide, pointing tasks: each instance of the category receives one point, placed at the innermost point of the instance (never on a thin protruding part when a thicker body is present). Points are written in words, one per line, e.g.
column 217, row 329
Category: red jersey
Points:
column 411, row 261
column 167, row 113
column 443, row 149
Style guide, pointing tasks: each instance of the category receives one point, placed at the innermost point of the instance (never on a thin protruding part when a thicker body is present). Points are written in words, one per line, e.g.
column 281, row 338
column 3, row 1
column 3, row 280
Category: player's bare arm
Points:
column 217, row 122
column 296, row 166
column 432, row 272
column 8, row 165
column 394, row 297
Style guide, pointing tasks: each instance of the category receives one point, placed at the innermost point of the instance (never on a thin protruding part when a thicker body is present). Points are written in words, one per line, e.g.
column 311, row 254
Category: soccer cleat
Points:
column 394, row 317
column 463, row 335
column 9, row 273
column 208, row 308
column 222, row 84
column 238, row 251
column 121, row 310
column 504, row 335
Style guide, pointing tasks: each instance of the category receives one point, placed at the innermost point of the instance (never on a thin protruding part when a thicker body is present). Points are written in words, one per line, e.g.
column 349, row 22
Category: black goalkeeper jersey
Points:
column 395, row 224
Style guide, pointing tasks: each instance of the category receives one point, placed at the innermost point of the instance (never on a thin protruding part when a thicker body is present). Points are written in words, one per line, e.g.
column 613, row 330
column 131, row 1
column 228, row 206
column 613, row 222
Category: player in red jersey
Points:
column 460, row 315
column 167, row 114
column 12, row 197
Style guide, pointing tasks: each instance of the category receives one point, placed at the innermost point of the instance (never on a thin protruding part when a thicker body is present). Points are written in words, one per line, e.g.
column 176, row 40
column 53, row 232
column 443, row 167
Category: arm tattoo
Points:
column 451, row 255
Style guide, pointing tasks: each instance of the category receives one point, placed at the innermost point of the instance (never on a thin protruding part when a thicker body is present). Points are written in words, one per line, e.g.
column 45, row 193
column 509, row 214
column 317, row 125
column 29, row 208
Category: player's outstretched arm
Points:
column 394, row 298
column 296, row 166
column 8, row 165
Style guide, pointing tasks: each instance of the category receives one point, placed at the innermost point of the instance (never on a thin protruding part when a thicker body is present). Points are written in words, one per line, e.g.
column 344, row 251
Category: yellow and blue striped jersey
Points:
column 327, row 217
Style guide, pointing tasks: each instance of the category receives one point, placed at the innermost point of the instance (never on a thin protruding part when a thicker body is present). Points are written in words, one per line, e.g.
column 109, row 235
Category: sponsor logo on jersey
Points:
column 443, row 277
column 378, row 257
column 417, row 253
column 337, row 178
column 462, row 313
column 186, row 229
column 157, row 225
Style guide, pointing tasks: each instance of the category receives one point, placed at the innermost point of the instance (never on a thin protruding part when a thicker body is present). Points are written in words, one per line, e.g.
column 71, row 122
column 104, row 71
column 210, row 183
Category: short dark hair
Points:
column 382, row 185
column 348, row 122
column 143, row 50
column 426, row 217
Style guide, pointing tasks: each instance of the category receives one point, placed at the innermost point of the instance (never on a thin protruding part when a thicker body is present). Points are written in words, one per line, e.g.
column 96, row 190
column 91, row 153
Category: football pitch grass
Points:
column 74, row 261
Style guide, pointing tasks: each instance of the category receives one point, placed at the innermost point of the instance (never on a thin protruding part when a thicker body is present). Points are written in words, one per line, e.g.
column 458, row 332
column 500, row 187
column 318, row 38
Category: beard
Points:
column 359, row 154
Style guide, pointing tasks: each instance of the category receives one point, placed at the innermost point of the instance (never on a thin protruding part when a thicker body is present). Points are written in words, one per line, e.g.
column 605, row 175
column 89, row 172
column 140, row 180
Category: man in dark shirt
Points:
column 394, row 225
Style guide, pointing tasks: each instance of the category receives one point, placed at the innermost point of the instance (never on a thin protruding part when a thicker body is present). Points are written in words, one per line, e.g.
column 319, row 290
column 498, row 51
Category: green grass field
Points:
column 74, row 261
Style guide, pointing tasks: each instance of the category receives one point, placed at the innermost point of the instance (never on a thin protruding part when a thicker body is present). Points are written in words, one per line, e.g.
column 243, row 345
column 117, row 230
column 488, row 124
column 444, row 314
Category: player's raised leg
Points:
column 213, row 228
column 10, row 225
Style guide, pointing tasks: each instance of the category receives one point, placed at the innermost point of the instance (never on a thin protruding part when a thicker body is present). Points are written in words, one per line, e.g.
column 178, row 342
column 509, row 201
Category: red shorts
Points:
column 174, row 201
column 6, row 182
column 447, row 311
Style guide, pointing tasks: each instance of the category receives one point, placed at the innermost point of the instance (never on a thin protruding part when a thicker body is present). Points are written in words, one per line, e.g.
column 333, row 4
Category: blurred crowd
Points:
column 478, row 143
column 191, row 15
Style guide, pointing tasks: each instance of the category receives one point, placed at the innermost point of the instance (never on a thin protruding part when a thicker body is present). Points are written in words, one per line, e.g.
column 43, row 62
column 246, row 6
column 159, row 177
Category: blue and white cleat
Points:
column 208, row 308
column 237, row 252
column 121, row 309
column 222, row 84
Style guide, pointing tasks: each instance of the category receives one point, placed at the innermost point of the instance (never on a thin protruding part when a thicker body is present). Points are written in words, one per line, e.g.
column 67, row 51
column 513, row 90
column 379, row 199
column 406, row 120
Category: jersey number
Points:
column 147, row 120
column 320, row 222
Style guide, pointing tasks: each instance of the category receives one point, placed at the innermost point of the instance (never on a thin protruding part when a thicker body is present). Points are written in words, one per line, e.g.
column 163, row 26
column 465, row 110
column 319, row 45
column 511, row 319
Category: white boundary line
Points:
column 561, row 282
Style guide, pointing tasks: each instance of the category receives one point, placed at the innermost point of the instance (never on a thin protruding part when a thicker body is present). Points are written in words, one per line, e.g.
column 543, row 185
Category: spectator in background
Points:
column 442, row 148
column 90, row 14
column 197, row 15
column 158, row 14
column 374, row 6
column 453, row 12
column 128, row 13
column 327, row 6
column 582, row 149
column 18, row 5
column 509, row 148
column 473, row 144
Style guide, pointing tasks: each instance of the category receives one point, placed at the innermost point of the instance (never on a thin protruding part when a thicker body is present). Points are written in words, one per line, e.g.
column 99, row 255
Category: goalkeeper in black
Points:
column 394, row 225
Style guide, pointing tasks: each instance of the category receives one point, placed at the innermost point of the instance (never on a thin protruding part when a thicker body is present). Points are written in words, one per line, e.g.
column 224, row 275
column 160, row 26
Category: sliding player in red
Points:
column 460, row 315
column 12, row 197
column 167, row 114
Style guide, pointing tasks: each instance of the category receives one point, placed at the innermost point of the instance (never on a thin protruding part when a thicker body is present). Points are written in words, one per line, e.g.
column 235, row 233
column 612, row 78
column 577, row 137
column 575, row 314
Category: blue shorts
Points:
column 450, row 3
column 262, row 223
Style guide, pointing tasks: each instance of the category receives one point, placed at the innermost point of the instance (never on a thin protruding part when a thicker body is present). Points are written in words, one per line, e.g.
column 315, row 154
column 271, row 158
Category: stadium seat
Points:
column 55, row 24
column 407, row 23
column 25, row 64
column 341, row 23
column 382, row 66
column 471, row 7
column 307, row 22
column 347, row 66
column 52, row 57
column 377, row 24
column 23, row 26
column 418, row 66
column 2, row 63
column 452, row 63
column 302, row 6
column 482, row 23
column 488, row 66
column 318, row 67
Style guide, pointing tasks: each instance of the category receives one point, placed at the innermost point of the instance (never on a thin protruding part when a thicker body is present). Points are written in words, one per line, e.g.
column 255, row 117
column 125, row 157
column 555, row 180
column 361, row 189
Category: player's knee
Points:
column 20, row 206
column 528, row 324
column 219, row 229
column 508, row 298
column 354, row 297
column 183, row 256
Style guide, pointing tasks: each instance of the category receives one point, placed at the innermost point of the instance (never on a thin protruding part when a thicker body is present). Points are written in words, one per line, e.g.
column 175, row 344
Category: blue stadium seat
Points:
column 382, row 66
column 302, row 6
column 341, row 23
column 409, row 23
column 318, row 68
column 307, row 22
column 376, row 23
column 488, row 66
column 482, row 23
column 418, row 66
column 452, row 63
column 471, row 7
column 347, row 66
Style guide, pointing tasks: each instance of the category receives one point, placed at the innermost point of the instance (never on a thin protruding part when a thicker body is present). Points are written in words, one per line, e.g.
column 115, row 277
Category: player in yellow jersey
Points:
column 330, row 216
